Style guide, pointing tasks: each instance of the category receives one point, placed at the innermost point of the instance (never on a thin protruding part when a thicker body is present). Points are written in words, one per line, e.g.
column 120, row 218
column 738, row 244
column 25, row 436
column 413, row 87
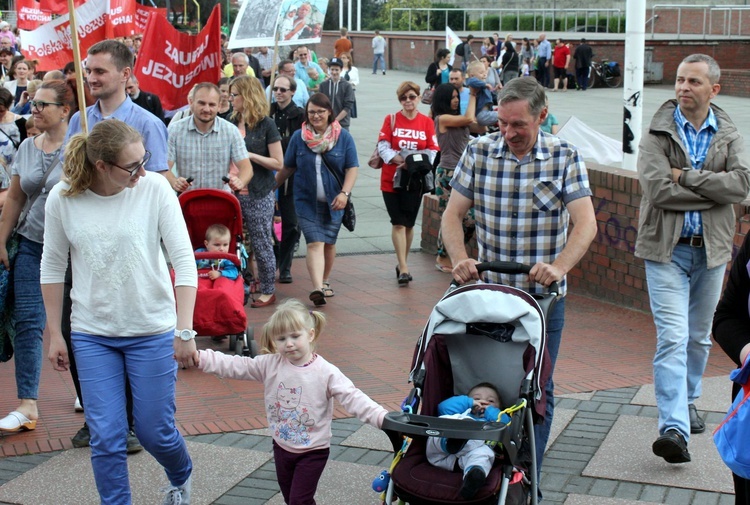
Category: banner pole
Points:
column 79, row 70
column 276, row 60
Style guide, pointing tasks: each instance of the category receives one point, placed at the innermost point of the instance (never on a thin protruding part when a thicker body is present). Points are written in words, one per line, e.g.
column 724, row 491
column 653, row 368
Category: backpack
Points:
column 460, row 50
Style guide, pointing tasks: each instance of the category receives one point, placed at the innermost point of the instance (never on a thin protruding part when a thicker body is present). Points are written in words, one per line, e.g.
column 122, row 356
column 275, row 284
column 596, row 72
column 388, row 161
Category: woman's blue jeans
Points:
column 30, row 318
column 103, row 363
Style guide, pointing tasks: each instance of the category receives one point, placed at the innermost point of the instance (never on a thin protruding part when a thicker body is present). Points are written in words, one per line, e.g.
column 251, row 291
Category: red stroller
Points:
column 219, row 312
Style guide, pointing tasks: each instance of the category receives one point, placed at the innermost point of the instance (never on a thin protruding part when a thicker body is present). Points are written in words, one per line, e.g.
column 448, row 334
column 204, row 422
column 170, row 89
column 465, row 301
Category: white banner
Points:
column 592, row 145
column 51, row 43
column 299, row 21
column 451, row 42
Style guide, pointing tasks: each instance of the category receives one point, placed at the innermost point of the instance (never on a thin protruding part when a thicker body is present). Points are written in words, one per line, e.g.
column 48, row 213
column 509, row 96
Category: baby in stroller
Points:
column 223, row 272
column 474, row 457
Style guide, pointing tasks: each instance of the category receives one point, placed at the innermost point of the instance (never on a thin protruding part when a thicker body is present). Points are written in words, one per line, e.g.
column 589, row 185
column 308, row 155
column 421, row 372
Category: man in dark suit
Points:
column 583, row 55
column 148, row 101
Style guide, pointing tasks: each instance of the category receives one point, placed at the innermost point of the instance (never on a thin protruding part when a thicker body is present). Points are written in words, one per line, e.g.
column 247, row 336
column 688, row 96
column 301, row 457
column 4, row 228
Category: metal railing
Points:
column 10, row 17
column 542, row 19
column 727, row 18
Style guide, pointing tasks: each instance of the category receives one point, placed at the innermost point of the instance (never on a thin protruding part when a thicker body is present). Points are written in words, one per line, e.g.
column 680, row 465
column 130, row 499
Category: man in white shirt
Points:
column 378, row 52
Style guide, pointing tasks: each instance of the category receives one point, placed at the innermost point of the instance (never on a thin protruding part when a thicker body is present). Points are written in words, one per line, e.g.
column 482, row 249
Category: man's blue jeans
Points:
column 683, row 295
column 103, row 363
column 30, row 318
column 555, row 323
column 375, row 58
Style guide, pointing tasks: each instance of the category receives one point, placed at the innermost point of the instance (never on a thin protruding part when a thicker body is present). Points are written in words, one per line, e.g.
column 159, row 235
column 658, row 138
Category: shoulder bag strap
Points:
column 30, row 201
column 333, row 172
column 15, row 144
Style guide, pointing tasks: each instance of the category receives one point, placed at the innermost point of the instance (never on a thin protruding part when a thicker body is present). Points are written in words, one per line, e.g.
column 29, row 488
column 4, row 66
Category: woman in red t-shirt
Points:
column 404, row 133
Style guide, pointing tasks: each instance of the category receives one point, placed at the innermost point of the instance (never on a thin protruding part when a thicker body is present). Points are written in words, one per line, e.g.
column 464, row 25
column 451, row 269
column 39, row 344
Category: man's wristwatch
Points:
column 185, row 335
column 347, row 194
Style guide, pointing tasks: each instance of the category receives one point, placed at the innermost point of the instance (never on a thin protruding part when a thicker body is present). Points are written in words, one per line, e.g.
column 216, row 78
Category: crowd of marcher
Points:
column 84, row 217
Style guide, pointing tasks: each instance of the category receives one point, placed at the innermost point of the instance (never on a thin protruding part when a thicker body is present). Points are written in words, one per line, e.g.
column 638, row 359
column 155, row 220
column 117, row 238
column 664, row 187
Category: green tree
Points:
column 401, row 18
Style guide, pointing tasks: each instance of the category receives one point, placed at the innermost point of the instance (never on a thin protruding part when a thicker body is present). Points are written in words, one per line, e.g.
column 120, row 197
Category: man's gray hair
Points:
column 714, row 72
column 247, row 59
column 524, row 88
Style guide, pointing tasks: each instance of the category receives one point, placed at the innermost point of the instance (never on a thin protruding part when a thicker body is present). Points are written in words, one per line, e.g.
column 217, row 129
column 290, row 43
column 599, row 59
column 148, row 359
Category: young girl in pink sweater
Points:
column 299, row 387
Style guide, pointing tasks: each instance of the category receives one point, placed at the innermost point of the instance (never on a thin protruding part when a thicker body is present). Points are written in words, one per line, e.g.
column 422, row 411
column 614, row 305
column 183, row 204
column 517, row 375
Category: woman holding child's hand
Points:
column 112, row 216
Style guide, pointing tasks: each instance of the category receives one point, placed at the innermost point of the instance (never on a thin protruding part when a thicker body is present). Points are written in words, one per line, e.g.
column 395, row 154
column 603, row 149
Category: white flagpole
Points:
column 79, row 70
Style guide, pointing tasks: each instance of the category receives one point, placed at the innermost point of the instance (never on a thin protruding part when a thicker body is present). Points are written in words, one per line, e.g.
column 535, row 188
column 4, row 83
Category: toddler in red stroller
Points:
column 214, row 222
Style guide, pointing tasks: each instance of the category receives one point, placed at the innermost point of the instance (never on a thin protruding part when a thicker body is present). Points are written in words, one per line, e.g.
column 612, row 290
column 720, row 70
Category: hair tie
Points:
column 311, row 312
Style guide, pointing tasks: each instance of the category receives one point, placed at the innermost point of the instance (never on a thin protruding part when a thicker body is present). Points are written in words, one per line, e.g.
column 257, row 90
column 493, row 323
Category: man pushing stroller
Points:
column 525, row 185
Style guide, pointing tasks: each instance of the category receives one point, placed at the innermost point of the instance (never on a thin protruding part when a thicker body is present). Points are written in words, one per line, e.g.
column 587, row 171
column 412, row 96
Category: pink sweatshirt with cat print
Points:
column 299, row 400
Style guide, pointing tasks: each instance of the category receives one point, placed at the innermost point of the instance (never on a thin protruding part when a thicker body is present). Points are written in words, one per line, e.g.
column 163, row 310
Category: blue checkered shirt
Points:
column 696, row 143
column 520, row 205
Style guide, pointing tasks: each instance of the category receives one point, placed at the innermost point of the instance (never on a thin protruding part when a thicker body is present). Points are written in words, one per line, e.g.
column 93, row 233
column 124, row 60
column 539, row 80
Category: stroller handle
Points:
column 509, row 267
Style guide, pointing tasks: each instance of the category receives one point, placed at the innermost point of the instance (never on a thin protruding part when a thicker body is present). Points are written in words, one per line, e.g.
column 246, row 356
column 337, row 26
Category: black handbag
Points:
column 416, row 175
column 350, row 217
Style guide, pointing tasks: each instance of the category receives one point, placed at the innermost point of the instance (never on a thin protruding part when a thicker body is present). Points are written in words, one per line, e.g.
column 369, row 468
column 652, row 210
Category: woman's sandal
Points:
column 327, row 290
column 318, row 297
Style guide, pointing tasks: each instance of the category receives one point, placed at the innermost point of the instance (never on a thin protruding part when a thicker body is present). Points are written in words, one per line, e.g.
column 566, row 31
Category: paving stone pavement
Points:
column 564, row 480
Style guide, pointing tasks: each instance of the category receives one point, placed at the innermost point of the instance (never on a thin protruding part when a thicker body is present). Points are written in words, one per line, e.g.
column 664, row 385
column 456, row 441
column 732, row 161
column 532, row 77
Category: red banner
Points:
column 58, row 6
column 170, row 62
column 30, row 15
column 51, row 44
column 142, row 13
column 121, row 18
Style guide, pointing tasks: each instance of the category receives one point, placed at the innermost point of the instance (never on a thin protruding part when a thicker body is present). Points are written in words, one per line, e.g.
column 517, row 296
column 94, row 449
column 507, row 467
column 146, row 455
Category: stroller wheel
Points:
column 239, row 345
column 233, row 343
column 251, row 346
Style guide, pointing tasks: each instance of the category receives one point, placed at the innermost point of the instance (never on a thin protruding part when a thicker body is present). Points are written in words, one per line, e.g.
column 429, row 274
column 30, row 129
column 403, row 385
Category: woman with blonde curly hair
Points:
column 263, row 142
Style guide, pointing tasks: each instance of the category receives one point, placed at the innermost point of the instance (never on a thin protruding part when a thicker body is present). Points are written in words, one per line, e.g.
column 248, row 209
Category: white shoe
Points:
column 77, row 405
column 179, row 495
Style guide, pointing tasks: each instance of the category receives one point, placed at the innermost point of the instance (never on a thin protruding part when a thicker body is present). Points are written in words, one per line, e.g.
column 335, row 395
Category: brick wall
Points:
column 735, row 82
column 609, row 270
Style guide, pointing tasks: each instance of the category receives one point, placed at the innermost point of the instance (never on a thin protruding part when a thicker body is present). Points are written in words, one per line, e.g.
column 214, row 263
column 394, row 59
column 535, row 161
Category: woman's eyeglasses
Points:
column 39, row 105
column 134, row 170
column 404, row 98
column 283, row 90
column 316, row 112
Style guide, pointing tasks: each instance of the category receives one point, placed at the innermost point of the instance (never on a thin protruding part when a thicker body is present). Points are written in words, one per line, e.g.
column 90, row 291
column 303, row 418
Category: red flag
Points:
column 170, row 62
column 142, row 12
column 58, row 6
column 121, row 18
column 51, row 44
column 30, row 15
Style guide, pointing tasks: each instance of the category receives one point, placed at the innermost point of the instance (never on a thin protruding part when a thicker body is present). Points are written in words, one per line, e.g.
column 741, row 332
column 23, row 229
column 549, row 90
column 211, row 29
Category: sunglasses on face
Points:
column 404, row 98
column 278, row 88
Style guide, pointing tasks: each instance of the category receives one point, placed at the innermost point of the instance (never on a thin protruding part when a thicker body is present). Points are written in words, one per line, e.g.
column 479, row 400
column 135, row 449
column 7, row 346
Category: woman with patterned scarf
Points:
column 319, row 148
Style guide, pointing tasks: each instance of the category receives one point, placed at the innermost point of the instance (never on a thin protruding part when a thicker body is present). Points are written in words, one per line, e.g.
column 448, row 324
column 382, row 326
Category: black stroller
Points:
column 476, row 333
